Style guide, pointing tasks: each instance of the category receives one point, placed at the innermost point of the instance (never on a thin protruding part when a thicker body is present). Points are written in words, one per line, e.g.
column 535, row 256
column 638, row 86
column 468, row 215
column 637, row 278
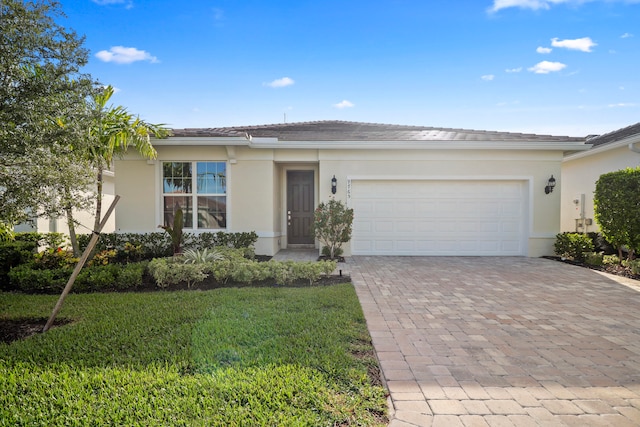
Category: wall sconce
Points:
column 550, row 184
column 334, row 185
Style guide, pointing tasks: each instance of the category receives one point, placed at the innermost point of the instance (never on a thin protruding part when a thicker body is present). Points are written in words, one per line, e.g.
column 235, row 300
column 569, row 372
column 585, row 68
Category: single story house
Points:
column 415, row 190
column 611, row 152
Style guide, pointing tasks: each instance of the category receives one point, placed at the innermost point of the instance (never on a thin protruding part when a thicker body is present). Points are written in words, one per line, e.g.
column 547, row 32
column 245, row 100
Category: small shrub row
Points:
column 231, row 265
column 132, row 247
column 30, row 278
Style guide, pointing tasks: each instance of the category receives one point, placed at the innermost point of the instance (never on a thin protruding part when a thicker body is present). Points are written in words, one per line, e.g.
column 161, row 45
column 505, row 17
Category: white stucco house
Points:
column 611, row 152
column 414, row 190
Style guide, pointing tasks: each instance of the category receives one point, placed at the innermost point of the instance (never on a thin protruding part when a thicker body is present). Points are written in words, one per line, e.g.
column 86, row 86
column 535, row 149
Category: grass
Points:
column 226, row 357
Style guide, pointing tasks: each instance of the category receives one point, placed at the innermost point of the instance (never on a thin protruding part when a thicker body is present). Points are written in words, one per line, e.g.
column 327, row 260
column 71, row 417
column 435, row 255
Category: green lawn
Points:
column 226, row 357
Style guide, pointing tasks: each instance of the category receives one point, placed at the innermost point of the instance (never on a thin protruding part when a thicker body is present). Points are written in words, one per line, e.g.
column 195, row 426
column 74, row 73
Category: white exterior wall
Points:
column 256, row 199
column 579, row 175
column 534, row 167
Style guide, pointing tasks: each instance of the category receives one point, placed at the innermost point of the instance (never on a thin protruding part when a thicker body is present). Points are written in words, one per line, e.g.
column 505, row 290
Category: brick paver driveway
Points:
column 502, row 341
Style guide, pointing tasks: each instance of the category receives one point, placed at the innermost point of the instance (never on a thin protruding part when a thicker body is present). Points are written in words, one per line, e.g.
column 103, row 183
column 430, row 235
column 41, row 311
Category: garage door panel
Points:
column 439, row 217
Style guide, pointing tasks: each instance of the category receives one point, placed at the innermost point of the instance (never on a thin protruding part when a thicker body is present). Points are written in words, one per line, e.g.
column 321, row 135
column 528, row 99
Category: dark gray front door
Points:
column 300, row 207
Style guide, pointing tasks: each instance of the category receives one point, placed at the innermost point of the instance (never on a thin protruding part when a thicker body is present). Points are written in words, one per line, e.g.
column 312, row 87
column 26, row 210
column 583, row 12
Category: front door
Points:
column 300, row 207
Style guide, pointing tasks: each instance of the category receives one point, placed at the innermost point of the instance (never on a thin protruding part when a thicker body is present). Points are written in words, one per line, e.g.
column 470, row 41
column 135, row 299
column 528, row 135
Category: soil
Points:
column 17, row 329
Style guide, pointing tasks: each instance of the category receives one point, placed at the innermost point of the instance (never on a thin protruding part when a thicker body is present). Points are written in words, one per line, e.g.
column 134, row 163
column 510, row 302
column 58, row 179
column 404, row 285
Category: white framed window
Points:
column 199, row 189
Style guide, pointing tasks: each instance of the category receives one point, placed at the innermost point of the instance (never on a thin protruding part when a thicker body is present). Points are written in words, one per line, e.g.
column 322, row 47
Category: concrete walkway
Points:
column 502, row 341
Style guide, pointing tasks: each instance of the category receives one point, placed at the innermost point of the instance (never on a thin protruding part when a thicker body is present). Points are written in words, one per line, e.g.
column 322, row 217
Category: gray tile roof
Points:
column 334, row 130
column 616, row 135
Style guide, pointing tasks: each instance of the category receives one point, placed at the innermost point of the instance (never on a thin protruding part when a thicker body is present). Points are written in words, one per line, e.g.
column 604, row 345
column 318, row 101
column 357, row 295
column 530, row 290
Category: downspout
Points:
column 634, row 148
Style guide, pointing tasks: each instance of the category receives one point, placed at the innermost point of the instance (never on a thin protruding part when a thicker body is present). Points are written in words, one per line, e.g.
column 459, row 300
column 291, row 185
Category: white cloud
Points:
column 344, row 104
column 513, row 70
column 541, row 4
column 546, row 67
column 584, row 44
column 541, row 49
column 525, row 4
column 283, row 82
column 626, row 36
column 129, row 3
column 488, row 77
column 621, row 105
column 125, row 55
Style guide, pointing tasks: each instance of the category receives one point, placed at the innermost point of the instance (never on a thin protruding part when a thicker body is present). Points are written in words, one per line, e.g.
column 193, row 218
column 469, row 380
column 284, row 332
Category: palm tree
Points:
column 113, row 132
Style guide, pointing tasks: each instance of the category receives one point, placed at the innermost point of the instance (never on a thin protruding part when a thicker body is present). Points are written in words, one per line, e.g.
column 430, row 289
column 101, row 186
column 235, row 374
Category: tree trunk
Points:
column 96, row 221
column 72, row 232
column 71, row 224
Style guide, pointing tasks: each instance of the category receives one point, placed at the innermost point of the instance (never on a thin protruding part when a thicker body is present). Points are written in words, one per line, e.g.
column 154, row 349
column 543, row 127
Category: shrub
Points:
column 175, row 231
column 55, row 258
column 194, row 256
column 611, row 260
column 29, row 278
column 13, row 254
column 594, row 258
column 616, row 201
column 170, row 271
column 103, row 257
column 133, row 247
column 47, row 240
column 632, row 265
column 332, row 224
column 130, row 276
column 573, row 245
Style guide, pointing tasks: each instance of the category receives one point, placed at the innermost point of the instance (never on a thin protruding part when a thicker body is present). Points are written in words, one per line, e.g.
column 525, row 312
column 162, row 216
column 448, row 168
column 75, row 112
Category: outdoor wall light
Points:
column 334, row 185
column 550, row 184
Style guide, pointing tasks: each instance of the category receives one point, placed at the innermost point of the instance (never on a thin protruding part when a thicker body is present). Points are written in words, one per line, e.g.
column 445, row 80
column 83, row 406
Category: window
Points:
column 202, row 195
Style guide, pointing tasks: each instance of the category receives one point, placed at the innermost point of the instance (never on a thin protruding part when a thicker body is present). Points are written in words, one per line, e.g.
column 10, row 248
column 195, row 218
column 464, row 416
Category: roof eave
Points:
column 274, row 143
column 633, row 139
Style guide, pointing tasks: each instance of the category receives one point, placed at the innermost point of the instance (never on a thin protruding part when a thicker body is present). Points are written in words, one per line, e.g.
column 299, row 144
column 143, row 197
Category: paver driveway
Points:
column 502, row 341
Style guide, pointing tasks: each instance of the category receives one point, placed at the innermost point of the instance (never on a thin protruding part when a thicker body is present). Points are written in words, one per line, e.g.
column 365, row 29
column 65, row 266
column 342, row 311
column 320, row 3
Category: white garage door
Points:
column 439, row 217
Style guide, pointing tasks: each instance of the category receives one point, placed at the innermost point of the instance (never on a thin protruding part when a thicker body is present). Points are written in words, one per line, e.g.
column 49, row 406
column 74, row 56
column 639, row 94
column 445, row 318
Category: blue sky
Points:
column 562, row 67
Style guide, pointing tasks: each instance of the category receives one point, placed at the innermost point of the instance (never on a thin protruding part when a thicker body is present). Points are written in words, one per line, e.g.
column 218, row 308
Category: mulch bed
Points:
column 616, row 269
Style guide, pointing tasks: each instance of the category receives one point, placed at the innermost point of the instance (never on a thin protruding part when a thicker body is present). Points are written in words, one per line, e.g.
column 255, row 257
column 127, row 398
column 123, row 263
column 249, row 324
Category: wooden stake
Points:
column 80, row 264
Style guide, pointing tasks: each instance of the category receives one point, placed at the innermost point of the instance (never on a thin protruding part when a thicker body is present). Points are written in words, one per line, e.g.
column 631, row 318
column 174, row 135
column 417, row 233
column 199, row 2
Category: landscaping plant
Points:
column 616, row 201
column 175, row 231
column 332, row 225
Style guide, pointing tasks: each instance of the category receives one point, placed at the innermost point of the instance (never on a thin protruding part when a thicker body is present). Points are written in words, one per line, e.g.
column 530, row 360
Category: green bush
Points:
column 46, row 240
column 13, row 254
column 173, row 271
column 332, row 225
column 611, row 260
column 632, row 264
column 131, row 247
column 594, row 258
column 616, row 200
column 232, row 266
column 31, row 278
column 573, row 245
column 55, row 258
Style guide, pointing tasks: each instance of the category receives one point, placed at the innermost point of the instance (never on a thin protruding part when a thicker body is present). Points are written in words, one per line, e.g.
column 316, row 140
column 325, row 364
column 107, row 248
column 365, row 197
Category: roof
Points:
column 335, row 130
column 615, row 136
